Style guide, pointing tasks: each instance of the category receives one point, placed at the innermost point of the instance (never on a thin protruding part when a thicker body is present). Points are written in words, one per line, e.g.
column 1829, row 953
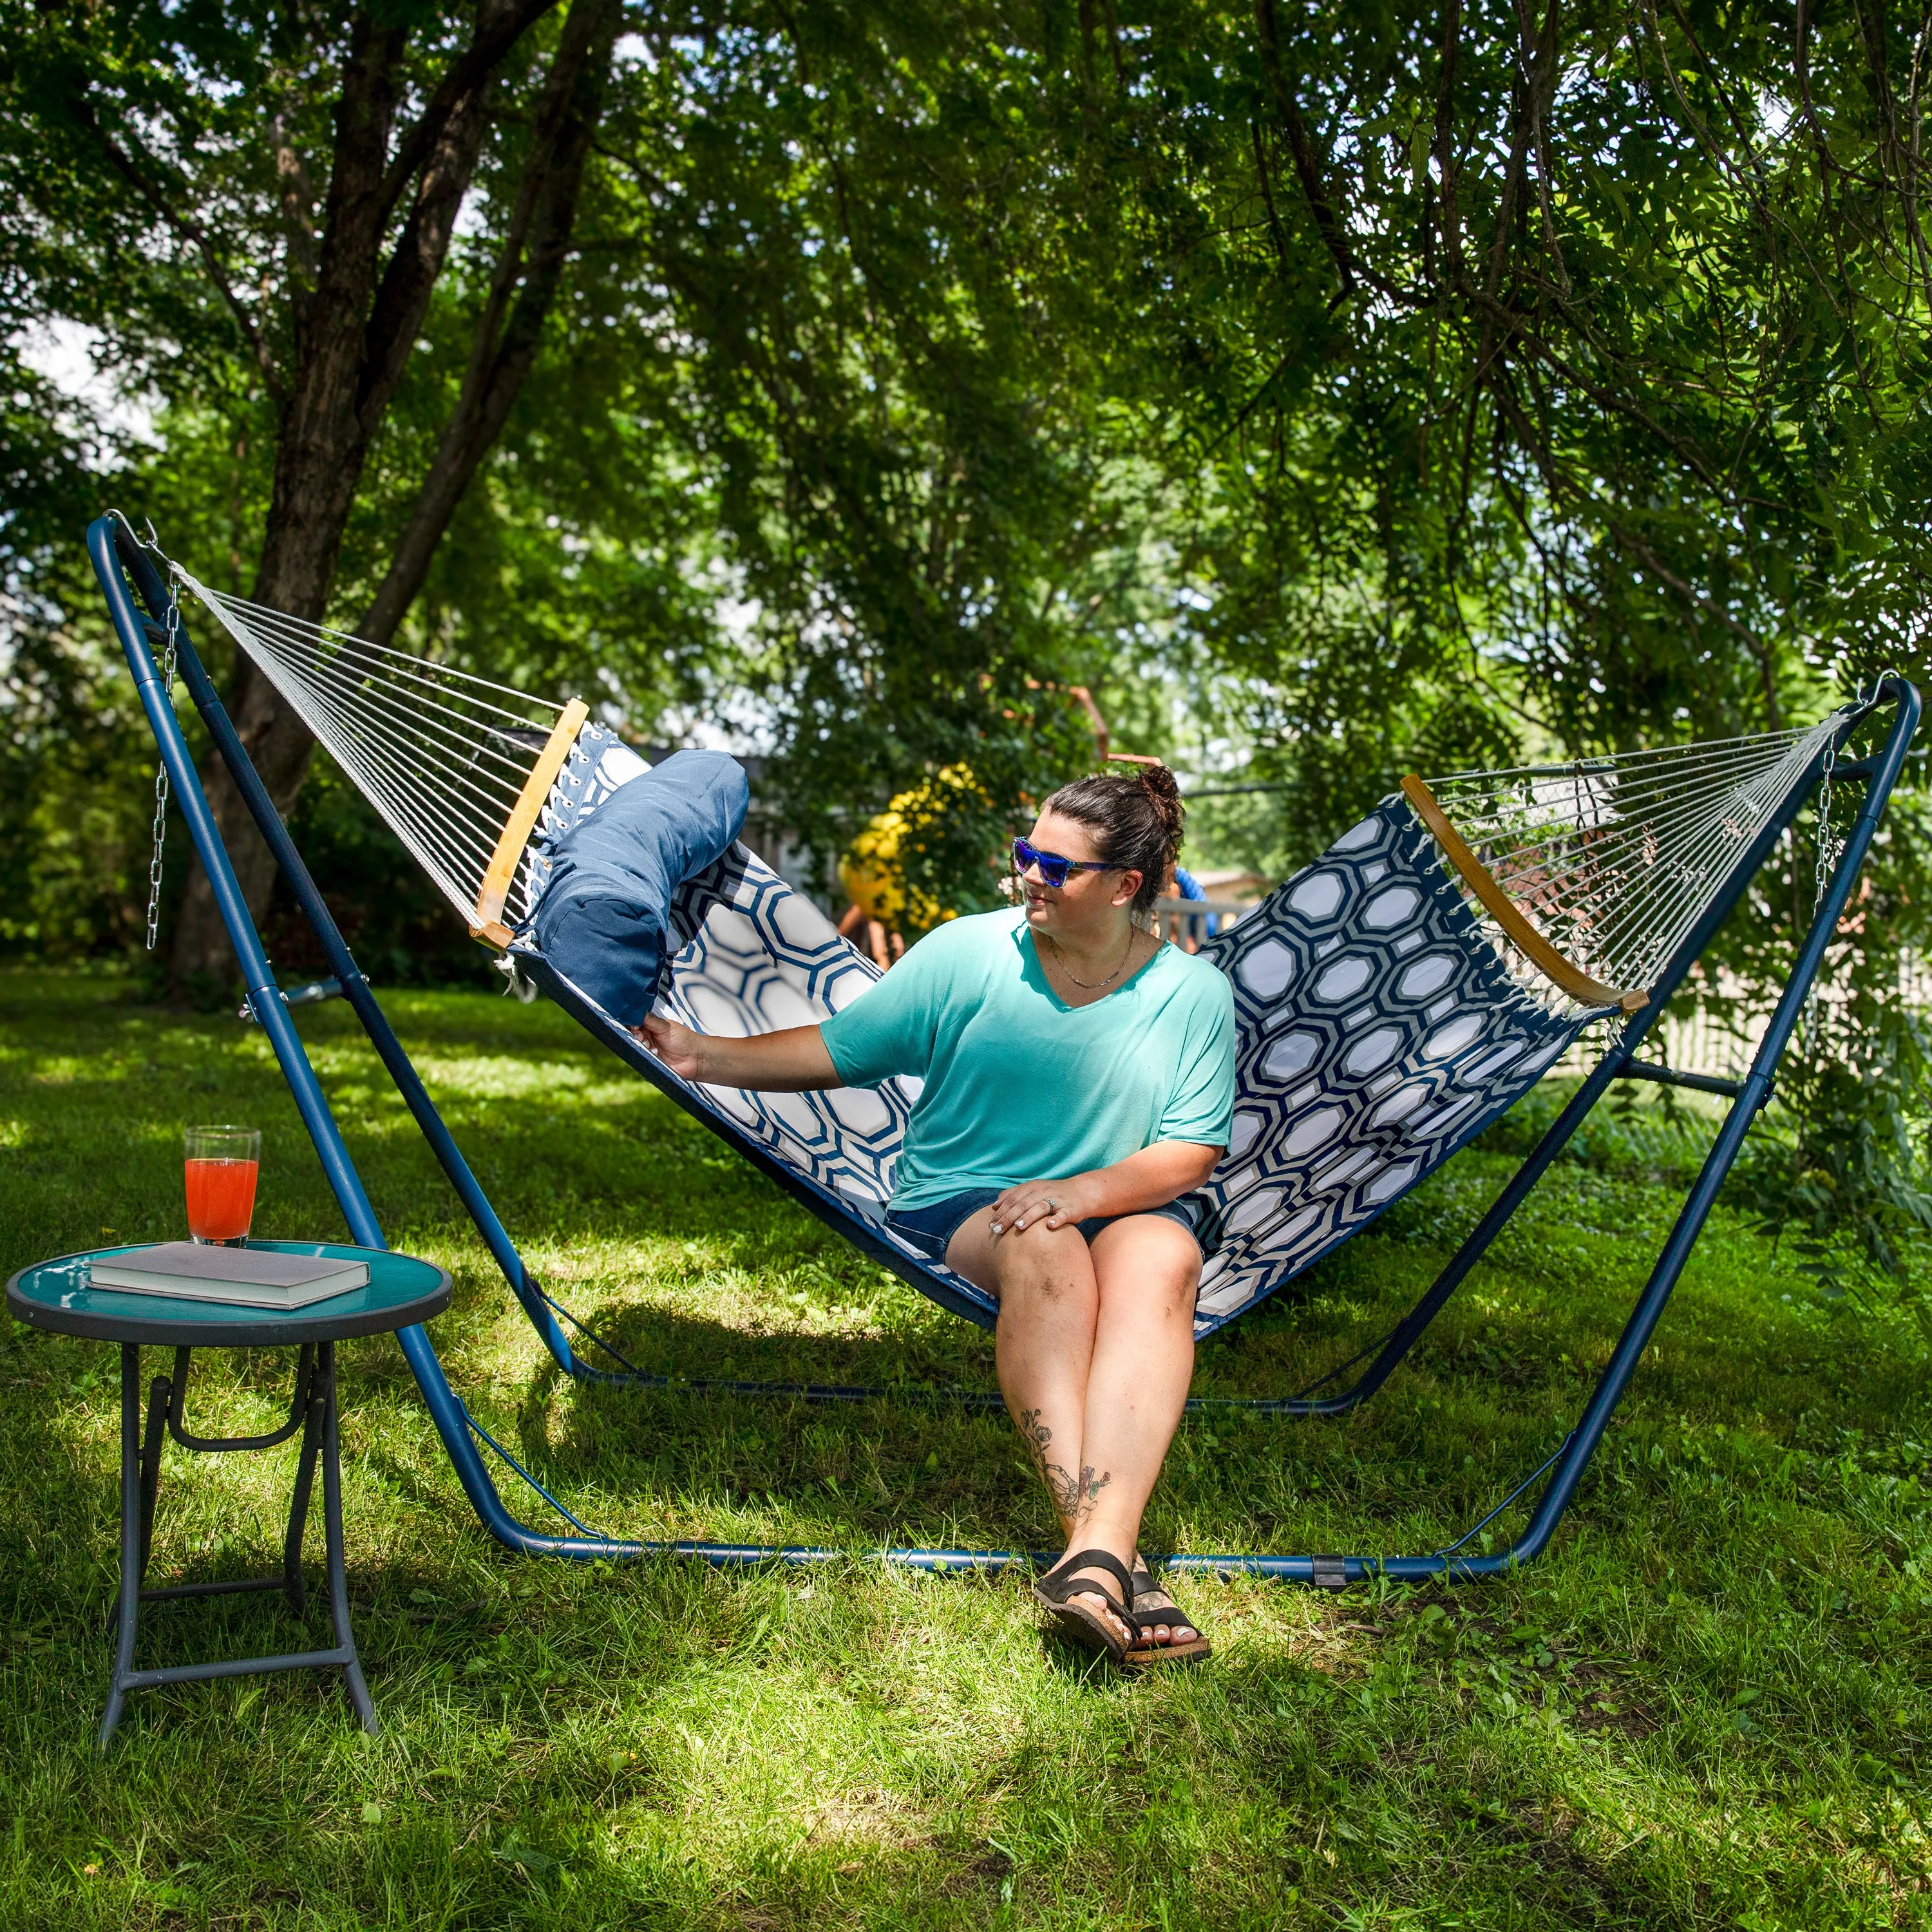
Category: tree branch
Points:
column 535, row 246
column 1445, row 138
column 1299, row 146
column 499, row 28
column 190, row 231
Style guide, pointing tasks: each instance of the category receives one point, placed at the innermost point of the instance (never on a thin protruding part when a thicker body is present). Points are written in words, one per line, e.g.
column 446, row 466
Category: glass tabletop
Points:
column 401, row 1292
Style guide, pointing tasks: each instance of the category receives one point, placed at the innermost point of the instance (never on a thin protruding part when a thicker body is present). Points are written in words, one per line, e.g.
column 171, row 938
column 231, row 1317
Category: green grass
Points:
column 1707, row 1706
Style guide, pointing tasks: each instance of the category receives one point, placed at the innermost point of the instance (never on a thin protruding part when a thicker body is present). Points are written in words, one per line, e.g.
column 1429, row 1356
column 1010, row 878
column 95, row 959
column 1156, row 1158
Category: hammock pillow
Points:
column 602, row 915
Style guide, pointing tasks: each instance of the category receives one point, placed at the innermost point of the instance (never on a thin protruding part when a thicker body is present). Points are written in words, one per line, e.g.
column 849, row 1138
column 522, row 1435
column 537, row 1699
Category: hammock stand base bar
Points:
column 118, row 555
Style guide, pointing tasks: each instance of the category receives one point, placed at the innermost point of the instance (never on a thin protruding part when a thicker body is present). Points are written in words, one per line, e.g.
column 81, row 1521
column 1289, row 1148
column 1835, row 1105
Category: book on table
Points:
column 250, row 1277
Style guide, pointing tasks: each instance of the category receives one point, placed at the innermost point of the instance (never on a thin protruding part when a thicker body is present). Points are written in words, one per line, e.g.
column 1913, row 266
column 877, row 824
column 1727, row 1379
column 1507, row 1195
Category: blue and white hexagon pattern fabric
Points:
column 756, row 956
column 752, row 956
column 1378, row 1030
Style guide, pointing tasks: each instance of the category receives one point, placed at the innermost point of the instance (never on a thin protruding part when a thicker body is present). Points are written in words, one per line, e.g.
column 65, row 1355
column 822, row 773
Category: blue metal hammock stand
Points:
column 1326, row 1171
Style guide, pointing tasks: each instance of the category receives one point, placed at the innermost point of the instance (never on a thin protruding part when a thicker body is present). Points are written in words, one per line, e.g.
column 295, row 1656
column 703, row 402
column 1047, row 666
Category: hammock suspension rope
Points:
column 1587, row 876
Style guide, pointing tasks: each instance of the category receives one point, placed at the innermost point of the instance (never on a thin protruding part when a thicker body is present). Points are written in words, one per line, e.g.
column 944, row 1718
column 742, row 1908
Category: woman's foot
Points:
column 1150, row 1599
column 1091, row 1595
column 1175, row 1640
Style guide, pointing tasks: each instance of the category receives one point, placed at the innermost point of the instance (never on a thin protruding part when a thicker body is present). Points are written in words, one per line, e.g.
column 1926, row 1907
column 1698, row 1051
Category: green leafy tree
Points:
column 256, row 209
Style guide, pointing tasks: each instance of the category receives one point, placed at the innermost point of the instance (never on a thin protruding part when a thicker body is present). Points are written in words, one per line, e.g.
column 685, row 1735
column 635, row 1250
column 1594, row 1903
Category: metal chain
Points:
column 1828, row 847
column 161, row 771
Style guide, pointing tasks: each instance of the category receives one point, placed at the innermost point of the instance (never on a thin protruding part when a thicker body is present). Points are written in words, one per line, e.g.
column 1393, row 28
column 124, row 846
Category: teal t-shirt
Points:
column 1019, row 1086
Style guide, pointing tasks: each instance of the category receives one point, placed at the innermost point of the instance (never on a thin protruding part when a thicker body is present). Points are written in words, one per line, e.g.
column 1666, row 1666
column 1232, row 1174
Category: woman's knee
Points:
column 1149, row 1259
column 1037, row 1263
column 1051, row 1262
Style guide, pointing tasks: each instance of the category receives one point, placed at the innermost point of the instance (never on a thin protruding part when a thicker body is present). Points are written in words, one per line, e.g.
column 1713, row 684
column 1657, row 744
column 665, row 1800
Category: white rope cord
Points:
column 1672, row 756
column 442, row 755
column 369, row 750
column 1647, row 821
column 1675, row 855
column 263, row 616
column 1637, row 807
column 388, row 722
column 1644, row 810
column 466, row 733
column 1616, row 911
column 470, row 723
column 1619, row 920
column 1747, row 809
column 371, row 726
column 474, row 732
column 1613, row 860
column 418, row 817
column 1666, row 853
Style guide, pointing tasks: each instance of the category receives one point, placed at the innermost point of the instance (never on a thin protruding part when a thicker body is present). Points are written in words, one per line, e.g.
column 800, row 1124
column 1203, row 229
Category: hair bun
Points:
column 1162, row 788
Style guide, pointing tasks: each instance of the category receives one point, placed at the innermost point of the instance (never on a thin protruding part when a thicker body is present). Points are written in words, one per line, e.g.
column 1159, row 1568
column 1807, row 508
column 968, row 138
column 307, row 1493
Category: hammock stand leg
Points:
column 112, row 549
column 115, row 556
column 1566, row 1466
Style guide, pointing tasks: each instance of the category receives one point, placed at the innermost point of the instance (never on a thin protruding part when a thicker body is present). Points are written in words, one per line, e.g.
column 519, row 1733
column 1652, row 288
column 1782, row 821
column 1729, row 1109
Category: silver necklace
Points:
column 1092, row 985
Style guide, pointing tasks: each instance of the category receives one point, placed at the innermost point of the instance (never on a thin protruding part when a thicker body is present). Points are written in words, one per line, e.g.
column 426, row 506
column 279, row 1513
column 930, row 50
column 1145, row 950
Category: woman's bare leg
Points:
column 1146, row 1269
column 1095, row 1347
column 1048, row 1299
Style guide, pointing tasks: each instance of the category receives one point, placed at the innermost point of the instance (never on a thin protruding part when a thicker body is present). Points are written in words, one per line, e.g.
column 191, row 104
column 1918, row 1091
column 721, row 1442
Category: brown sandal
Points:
column 1090, row 1628
column 1149, row 1615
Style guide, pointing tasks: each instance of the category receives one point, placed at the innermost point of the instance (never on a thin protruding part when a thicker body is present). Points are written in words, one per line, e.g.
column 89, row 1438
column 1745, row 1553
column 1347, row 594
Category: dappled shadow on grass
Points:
column 904, row 1467
column 1703, row 1703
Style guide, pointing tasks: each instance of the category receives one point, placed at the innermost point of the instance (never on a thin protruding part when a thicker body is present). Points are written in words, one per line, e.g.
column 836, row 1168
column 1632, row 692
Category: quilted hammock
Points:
column 1381, row 1028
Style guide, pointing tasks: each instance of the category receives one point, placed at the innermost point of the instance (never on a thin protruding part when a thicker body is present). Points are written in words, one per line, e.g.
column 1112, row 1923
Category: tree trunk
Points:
column 353, row 332
column 509, row 333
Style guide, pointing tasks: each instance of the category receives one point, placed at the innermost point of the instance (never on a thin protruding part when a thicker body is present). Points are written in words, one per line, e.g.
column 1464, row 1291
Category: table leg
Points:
column 314, row 1411
column 160, row 1392
column 331, row 1510
column 129, row 1604
column 311, row 1442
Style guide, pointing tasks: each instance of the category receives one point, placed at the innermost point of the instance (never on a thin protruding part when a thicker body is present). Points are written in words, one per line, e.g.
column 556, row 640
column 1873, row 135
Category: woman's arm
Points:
column 1151, row 1178
column 792, row 1061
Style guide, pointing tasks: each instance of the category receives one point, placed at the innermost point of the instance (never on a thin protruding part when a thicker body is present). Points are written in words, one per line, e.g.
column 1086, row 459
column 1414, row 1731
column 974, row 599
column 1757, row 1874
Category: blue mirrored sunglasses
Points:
column 1053, row 869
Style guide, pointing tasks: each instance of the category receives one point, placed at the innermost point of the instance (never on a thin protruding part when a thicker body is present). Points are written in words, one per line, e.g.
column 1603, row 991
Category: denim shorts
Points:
column 931, row 1229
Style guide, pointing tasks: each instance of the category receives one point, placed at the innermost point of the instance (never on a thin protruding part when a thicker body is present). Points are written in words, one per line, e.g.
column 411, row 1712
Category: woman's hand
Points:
column 793, row 1061
column 1049, row 1203
column 677, row 1046
column 1151, row 1178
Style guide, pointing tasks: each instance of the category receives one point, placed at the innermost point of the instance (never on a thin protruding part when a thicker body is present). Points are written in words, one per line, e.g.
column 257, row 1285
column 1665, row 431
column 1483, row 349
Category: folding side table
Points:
column 401, row 1292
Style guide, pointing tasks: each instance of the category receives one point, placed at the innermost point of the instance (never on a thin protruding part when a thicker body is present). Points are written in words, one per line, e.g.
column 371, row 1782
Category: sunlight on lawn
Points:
column 1708, row 1705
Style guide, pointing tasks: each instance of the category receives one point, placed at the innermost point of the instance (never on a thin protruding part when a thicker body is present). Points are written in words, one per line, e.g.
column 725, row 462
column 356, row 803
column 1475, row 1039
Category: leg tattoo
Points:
column 1073, row 1496
column 1063, row 1488
column 1089, row 1488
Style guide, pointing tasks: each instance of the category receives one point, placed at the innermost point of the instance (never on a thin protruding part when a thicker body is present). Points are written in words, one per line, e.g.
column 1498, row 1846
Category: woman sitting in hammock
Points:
column 1079, row 1078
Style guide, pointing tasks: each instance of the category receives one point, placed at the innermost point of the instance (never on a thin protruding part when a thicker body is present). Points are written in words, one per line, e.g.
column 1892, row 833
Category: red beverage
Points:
column 221, row 1164
column 220, row 1198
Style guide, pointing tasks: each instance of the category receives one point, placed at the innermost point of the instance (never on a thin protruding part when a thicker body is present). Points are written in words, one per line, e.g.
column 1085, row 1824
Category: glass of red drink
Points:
column 222, row 1163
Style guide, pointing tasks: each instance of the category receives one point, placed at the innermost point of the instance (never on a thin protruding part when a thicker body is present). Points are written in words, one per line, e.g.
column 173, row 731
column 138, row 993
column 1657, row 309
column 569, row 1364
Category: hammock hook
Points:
column 152, row 541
